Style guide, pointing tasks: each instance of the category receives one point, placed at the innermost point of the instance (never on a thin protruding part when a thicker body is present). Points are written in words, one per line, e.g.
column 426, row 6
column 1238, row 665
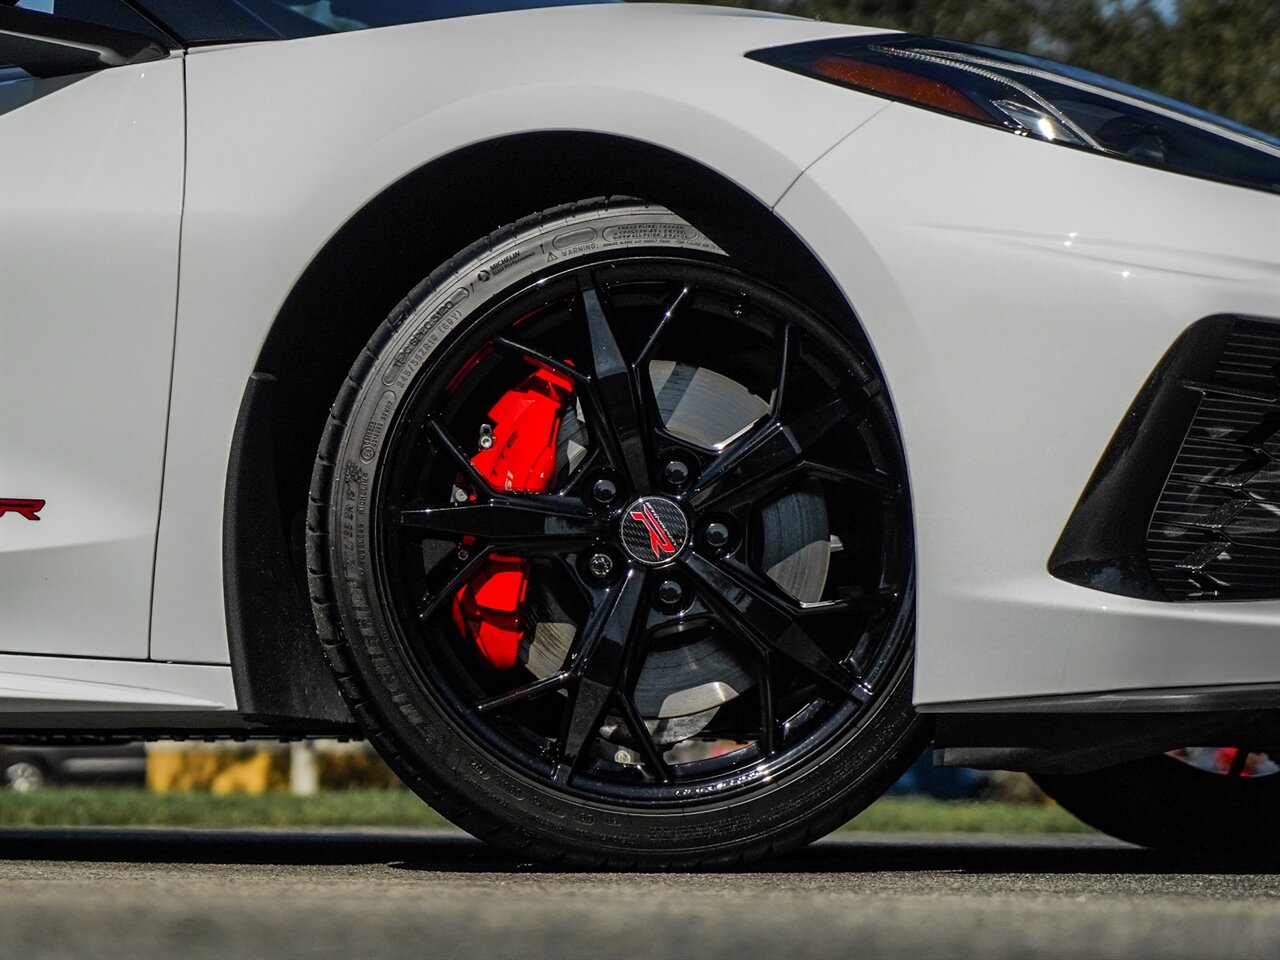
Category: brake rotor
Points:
column 689, row 676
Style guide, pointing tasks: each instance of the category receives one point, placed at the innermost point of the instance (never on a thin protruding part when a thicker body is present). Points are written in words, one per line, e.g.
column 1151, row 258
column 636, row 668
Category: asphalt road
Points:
column 282, row 894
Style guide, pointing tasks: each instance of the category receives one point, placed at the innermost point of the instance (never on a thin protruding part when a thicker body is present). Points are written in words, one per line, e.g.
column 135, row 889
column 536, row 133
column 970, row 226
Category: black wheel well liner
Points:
column 352, row 284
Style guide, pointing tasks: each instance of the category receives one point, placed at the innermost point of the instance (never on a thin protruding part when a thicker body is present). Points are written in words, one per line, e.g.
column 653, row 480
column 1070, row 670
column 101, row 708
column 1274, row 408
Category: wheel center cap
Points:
column 654, row 530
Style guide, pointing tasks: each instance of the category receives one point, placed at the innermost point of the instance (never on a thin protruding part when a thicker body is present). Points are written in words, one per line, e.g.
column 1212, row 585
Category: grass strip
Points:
column 915, row 814
column 120, row 807
column 128, row 807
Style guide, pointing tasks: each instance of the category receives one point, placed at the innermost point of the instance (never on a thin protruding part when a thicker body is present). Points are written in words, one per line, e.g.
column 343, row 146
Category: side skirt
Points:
column 1074, row 734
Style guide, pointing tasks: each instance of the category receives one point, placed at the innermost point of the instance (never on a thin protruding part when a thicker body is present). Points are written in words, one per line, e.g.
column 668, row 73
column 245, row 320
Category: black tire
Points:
column 562, row 765
column 1164, row 803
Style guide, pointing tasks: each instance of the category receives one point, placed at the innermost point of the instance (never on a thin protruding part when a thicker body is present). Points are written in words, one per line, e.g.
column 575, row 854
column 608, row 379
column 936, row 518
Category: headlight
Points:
column 1033, row 97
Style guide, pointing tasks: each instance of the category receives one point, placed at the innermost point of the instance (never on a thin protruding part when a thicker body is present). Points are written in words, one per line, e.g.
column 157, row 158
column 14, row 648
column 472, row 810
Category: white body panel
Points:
column 1015, row 321
column 91, row 198
column 64, row 684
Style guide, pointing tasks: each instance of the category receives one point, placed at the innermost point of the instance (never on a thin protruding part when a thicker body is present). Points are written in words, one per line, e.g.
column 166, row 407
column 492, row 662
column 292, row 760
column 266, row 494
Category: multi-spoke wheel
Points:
column 1220, row 800
column 612, row 549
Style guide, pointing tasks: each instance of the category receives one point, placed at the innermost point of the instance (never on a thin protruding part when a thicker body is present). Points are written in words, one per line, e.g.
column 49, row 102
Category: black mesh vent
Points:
column 1215, row 530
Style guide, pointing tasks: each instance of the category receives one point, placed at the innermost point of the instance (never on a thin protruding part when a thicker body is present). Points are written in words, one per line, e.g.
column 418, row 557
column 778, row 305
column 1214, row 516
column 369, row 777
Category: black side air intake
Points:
column 1185, row 503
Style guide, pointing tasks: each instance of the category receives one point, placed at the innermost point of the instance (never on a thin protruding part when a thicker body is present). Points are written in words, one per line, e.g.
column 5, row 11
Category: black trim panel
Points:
column 279, row 675
column 1215, row 532
column 1064, row 743
column 46, row 46
column 1253, row 696
column 1181, row 504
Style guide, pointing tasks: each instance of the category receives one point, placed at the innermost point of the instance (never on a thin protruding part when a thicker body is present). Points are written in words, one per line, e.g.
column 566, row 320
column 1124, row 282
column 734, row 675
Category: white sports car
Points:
column 769, row 398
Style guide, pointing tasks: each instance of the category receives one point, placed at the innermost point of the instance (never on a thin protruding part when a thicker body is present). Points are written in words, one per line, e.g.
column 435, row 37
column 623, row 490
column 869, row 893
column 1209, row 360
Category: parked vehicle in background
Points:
column 25, row 768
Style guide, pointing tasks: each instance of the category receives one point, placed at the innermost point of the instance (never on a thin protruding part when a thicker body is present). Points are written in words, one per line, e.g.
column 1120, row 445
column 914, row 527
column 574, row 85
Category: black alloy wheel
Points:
column 715, row 598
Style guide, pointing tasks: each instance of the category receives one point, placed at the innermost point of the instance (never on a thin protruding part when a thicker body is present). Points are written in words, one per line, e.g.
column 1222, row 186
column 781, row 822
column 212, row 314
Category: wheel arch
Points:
column 346, row 291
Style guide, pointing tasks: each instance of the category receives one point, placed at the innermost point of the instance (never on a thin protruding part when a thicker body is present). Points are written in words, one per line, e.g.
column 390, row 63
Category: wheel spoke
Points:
column 537, row 358
column 640, row 733
column 790, row 342
column 615, row 392
column 656, row 428
column 878, row 485
column 647, row 352
column 435, row 596
column 444, row 442
column 768, row 712
column 778, row 450
column 530, row 522
column 597, row 661
column 648, row 619
column 557, row 681
column 851, row 598
column 574, row 484
column 764, row 616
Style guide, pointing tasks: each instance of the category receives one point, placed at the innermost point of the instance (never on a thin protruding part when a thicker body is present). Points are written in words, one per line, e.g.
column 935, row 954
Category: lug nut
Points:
column 675, row 474
column 670, row 592
column 600, row 565
column 716, row 535
column 604, row 490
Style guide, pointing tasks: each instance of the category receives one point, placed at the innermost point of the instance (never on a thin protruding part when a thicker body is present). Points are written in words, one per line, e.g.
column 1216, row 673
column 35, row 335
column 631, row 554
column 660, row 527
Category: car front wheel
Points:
column 611, row 549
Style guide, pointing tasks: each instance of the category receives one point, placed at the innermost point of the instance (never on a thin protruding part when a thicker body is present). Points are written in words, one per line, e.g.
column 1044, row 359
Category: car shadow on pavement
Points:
column 453, row 851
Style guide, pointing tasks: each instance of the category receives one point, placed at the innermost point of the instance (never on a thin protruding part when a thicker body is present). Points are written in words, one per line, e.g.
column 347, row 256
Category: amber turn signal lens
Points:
column 899, row 84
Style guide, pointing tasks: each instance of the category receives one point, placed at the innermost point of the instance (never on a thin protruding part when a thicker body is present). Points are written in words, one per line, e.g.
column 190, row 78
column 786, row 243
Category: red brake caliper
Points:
column 521, row 459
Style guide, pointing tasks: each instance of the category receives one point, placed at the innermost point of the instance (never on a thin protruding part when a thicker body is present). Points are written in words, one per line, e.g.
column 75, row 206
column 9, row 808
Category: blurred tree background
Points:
column 1221, row 55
